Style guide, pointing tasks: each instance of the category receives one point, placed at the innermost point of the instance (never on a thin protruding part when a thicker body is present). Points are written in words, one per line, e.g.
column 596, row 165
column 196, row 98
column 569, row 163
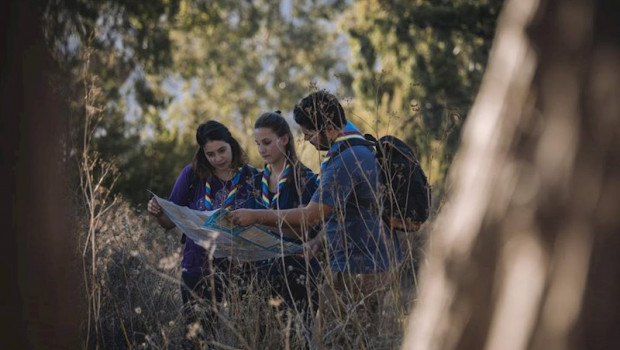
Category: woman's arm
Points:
column 155, row 209
column 180, row 195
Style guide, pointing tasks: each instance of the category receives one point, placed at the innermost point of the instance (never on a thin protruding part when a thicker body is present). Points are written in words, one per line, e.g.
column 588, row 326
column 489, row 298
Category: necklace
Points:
column 224, row 183
column 230, row 198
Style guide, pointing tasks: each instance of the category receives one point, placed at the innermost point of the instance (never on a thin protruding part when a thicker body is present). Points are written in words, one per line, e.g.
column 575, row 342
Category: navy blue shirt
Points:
column 294, row 193
column 358, row 239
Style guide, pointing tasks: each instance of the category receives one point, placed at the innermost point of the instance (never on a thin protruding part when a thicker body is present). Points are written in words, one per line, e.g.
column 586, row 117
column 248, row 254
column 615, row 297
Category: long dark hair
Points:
column 275, row 122
column 215, row 131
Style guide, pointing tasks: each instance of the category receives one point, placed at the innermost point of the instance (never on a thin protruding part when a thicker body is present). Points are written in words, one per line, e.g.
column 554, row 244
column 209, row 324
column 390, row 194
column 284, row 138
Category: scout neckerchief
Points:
column 349, row 132
column 282, row 178
column 230, row 199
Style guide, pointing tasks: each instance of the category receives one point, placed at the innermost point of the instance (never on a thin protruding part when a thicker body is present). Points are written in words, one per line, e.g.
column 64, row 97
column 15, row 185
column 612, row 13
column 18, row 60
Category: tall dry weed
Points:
column 139, row 303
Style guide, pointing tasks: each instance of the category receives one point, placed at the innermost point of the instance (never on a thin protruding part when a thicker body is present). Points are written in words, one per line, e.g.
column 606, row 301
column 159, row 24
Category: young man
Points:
column 361, row 250
column 348, row 196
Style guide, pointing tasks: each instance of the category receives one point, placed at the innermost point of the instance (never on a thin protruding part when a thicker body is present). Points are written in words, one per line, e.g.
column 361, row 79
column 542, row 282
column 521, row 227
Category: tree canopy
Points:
column 164, row 66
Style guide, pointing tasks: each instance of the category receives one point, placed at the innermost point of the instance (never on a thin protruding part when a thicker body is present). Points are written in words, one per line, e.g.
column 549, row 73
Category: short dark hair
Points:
column 215, row 131
column 319, row 109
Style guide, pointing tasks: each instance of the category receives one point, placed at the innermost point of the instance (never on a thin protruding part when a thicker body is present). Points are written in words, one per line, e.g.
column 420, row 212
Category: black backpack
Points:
column 407, row 192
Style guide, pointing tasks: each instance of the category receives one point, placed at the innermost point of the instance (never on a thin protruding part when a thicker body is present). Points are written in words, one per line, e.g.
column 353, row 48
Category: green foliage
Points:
column 246, row 58
column 166, row 66
column 162, row 67
column 120, row 40
column 418, row 66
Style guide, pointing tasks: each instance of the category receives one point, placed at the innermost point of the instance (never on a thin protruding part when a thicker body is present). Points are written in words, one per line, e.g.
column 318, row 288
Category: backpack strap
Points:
column 194, row 182
column 354, row 142
column 370, row 142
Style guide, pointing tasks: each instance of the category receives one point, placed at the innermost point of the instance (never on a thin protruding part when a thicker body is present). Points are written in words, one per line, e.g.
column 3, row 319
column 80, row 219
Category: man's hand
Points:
column 407, row 224
column 243, row 217
column 314, row 245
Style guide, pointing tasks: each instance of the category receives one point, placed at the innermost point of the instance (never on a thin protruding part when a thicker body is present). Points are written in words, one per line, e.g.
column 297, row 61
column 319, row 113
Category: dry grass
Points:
column 131, row 270
column 139, row 302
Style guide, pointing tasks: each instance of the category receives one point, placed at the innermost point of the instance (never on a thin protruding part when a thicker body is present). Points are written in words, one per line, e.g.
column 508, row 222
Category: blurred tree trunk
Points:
column 526, row 254
column 40, row 301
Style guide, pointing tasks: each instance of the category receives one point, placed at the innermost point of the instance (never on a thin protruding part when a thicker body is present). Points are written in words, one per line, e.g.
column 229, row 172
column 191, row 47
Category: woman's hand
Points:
column 154, row 208
column 243, row 217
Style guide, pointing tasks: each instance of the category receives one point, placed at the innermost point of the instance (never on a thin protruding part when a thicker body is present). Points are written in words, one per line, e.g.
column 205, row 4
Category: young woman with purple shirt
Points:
column 218, row 177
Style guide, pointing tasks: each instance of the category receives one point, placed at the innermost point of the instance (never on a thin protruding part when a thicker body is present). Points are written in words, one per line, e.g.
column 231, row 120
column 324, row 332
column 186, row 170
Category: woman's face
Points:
column 270, row 147
column 219, row 154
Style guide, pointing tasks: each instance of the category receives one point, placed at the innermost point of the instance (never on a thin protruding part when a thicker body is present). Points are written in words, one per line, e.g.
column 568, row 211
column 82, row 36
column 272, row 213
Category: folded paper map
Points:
column 211, row 230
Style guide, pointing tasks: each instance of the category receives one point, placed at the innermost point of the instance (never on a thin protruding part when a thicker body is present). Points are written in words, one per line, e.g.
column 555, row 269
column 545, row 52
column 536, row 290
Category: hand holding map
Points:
column 221, row 238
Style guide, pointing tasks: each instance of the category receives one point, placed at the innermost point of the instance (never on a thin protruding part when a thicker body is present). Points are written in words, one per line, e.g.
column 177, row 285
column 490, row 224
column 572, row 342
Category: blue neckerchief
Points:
column 232, row 191
column 282, row 179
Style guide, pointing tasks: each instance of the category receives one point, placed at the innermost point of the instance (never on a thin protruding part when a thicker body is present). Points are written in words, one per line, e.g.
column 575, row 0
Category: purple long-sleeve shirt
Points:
column 194, row 256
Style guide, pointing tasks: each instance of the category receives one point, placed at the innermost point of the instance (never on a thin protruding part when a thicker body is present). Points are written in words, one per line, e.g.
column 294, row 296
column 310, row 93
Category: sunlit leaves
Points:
column 419, row 64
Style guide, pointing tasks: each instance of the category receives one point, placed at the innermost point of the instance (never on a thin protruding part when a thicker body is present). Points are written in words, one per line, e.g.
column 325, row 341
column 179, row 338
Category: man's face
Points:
column 317, row 138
